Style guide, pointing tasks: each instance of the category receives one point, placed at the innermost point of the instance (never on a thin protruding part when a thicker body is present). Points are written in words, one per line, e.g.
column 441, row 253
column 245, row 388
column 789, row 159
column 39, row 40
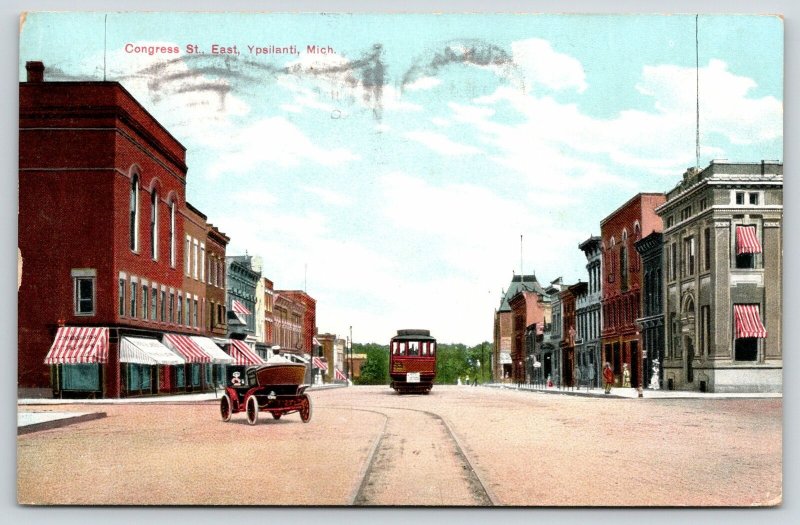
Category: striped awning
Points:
column 239, row 308
column 340, row 375
column 748, row 321
column 242, row 354
column 78, row 345
column 319, row 363
column 747, row 240
column 218, row 357
column 147, row 351
column 185, row 347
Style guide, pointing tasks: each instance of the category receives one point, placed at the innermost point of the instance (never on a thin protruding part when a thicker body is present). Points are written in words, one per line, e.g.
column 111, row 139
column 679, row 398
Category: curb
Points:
column 57, row 423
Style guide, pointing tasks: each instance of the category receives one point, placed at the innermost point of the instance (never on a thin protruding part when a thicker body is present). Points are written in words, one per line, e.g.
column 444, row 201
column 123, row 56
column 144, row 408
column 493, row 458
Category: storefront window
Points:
column 83, row 377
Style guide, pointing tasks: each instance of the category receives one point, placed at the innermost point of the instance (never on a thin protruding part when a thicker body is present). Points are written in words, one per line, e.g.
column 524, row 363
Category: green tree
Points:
column 375, row 370
column 458, row 360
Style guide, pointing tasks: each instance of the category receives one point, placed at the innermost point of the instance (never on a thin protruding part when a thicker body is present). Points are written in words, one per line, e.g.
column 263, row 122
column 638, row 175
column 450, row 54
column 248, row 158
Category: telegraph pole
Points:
column 351, row 352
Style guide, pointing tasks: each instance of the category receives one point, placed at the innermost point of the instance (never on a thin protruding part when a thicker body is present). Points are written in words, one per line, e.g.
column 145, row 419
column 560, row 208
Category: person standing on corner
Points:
column 608, row 377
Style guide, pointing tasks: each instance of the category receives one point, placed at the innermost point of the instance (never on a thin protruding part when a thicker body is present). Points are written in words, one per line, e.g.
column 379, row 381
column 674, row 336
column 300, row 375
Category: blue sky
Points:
column 402, row 169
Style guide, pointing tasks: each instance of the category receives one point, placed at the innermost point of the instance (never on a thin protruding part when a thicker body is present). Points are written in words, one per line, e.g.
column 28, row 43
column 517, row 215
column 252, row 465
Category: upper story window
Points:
column 188, row 256
column 202, row 261
column 172, row 246
column 703, row 203
column 686, row 213
column 623, row 267
column 689, row 255
column 740, row 197
column 747, row 246
column 753, row 198
column 194, row 242
column 134, row 213
column 670, row 221
column 154, row 224
column 84, row 291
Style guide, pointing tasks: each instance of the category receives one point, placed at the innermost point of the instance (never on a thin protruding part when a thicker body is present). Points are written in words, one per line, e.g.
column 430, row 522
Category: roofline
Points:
column 628, row 202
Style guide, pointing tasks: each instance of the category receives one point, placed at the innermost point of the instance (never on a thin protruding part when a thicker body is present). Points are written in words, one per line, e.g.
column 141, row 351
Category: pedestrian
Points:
column 608, row 377
column 577, row 376
column 626, row 376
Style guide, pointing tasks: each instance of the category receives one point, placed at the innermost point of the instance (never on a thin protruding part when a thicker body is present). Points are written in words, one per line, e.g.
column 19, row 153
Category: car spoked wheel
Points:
column 305, row 409
column 252, row 410
column 225, row 408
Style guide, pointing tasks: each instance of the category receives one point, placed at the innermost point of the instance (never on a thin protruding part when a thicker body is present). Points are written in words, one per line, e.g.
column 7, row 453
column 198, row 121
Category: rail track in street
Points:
column 417, row 460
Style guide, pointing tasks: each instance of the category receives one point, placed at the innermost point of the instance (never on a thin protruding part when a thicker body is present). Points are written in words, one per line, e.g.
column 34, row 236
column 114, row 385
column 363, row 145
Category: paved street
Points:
column 458, row 446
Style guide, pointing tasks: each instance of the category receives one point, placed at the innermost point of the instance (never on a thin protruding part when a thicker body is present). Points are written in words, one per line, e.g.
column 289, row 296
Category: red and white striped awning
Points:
column 239, row 308
column 242, row 354
column 78, row 345
column 185, row 347
column 340, row 375
column 319, row 363
column 747, row 240
column 748, row 321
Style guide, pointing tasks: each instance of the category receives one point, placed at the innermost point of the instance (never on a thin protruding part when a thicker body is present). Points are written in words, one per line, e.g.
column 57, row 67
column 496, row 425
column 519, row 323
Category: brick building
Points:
column 502, row 367
column 622, row 283
column 217, row 316
column 569, row 361
column 103, row 213
column 528, row 310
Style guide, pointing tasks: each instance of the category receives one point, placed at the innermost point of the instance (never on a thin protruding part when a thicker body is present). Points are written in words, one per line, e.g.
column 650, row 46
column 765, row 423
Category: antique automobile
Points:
column 274, row 387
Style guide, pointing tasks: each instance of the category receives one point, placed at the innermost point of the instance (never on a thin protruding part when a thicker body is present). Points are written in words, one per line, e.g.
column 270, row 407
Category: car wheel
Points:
column 252, row 410
column 225, row 407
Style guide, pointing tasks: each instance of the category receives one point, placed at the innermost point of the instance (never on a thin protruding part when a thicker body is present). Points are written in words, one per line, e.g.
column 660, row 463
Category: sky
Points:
column 404, row 177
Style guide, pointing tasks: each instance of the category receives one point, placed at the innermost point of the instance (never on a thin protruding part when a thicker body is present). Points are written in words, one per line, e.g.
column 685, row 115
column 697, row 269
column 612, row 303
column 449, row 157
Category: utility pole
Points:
column 351, row 352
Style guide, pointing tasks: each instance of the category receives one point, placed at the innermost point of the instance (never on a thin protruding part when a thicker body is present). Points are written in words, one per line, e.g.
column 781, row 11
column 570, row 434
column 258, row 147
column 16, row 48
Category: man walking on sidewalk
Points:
column 608, row 377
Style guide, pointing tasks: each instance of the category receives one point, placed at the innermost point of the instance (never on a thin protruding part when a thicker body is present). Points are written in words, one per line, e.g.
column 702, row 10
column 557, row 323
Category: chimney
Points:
column 35, row 71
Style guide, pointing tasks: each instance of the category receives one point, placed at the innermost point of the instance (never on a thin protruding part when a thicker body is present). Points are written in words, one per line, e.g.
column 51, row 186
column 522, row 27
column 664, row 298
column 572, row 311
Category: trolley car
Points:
column 412, row 361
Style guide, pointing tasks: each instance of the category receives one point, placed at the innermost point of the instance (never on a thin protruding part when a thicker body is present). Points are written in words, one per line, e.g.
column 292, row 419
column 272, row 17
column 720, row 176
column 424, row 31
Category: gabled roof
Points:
column 520, row 283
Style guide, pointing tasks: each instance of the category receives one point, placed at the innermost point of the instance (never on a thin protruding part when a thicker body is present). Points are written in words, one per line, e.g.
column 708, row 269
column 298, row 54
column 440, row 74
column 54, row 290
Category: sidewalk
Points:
column 34, row 421
column 630, row 393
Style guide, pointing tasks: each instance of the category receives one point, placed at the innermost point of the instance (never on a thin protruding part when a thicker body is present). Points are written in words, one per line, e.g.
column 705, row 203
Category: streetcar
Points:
column 412, row 361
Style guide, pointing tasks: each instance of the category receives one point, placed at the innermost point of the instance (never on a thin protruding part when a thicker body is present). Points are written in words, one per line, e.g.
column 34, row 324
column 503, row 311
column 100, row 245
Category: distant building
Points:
column 502, row 368
column 589, row 315
column 622, row 282
column 529, row 308
column 550, row 351
column 723, row 258
column 569, row 362
column 241, row 283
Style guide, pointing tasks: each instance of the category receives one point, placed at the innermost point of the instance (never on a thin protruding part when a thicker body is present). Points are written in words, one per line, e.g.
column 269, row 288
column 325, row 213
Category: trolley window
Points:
column 413, row 348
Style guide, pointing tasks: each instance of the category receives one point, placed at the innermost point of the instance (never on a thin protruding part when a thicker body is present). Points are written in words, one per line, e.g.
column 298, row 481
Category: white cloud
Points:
column 327, row 196
column 272, row 140
column 423, row 83
column 539, row 63
column 440, row 143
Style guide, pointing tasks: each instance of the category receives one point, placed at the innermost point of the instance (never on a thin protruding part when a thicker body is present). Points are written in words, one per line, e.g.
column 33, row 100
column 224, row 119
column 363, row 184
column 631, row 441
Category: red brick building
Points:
column 216, row 316
column 622, row 282
column 528, row 308
column 308, row 322
column 102, row 217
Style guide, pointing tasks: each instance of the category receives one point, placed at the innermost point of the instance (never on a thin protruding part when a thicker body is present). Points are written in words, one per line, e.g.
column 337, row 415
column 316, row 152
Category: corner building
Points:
column 102, row 213
column 722, row 279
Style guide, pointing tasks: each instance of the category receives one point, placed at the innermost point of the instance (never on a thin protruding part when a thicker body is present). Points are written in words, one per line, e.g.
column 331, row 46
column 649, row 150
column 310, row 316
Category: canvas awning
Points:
column 218, row 357
column 242, row 354
column 186, row 348
column 748, row 321
column 319, row 363
column 147, row 351
column 747, row 240
column 505, row 358
column 78, row 345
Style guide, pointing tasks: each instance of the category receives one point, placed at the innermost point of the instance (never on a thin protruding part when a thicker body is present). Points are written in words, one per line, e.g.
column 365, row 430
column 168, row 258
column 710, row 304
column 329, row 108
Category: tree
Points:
column 375, row 369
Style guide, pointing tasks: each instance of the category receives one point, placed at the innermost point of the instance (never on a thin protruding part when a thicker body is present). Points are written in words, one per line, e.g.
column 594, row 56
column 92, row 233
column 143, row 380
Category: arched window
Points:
column 154, row 224
column 172, row 232
column 134, row 213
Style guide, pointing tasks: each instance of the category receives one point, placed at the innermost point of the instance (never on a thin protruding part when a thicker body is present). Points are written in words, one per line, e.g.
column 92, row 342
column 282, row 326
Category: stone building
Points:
column 241, row 283
column 723, row 257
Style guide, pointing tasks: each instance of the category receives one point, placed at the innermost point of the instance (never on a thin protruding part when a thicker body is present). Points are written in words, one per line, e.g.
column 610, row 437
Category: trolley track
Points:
column 417, row 460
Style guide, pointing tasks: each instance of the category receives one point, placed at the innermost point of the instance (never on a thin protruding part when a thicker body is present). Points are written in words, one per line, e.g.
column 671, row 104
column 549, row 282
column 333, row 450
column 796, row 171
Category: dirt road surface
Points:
column 459, row 446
